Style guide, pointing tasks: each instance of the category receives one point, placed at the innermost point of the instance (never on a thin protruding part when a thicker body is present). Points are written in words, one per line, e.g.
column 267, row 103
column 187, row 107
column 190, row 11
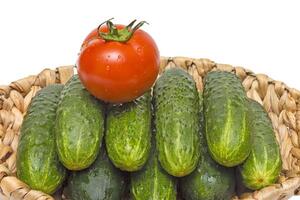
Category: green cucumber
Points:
column 176, row 106
column 37, row 161
column 226, row 118
column 210, row 180
column 79, row 126
column 128, row 133
column 101, row 181
column 263, row 166
column 152, row 182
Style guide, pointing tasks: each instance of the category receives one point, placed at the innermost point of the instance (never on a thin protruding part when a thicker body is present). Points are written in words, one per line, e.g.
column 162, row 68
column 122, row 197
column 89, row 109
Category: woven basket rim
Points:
column 281, row 102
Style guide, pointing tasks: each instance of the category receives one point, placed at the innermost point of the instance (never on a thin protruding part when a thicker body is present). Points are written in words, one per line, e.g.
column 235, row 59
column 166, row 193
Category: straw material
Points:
column 281, row 102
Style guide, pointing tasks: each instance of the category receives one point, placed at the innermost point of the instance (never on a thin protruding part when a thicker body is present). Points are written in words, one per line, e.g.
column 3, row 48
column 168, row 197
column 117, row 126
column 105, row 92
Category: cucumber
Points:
column 263, row 166
column 79, row 126
column 210, row 180
column 101, row 181
column 37, row 160
column 226, row 118
column 240, row 186
column 152, row 182
column 128, row 133
column 176, row 106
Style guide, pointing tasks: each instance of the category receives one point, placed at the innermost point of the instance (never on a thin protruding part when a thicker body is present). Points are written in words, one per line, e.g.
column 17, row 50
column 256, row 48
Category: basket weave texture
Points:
column 281, row 102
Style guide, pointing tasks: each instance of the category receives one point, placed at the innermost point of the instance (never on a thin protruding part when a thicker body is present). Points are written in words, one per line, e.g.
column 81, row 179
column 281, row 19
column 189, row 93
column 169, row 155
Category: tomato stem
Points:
column 119, row 35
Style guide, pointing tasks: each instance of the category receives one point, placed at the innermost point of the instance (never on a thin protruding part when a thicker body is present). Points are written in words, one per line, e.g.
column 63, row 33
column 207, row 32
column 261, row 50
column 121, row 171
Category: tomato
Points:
column 117, row 63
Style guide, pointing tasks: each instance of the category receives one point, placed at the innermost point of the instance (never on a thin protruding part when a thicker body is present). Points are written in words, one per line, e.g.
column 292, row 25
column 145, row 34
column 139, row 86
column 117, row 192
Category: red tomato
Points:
column 115, row 71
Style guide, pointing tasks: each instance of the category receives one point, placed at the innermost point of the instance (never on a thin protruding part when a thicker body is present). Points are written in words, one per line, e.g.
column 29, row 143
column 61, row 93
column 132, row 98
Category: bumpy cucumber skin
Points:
column 263, row 166
column 101, row 181
column 152, row 182
column 79, row 126
column 226, row 118
column 128, row 133
column 210, row 180
column 176, row 105
column 37, row 161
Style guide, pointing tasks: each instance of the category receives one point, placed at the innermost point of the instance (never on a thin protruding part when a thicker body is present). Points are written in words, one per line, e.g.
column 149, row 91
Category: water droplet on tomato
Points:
column 139, row 50
column 119, row 58
column 107, row 68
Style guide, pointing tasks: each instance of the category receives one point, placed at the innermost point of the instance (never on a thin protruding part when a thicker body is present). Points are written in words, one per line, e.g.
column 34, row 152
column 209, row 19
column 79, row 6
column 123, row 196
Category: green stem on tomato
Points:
column 119, row 35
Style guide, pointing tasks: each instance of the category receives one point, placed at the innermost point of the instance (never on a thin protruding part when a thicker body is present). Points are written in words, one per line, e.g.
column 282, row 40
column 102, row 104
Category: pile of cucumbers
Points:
column 172, row 142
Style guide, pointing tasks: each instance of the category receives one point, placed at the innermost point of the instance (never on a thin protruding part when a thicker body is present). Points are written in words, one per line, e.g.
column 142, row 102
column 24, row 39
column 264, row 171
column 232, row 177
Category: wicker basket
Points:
column 281, row 102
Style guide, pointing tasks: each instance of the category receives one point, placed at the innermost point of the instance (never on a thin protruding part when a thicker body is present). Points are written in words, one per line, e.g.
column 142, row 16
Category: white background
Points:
column 263, row 36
